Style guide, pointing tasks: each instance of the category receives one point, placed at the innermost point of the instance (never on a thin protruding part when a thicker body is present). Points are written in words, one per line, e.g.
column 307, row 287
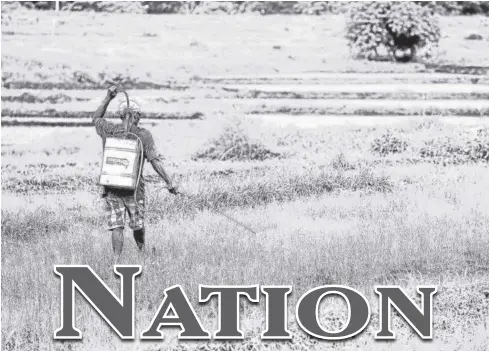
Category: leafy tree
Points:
column 400, row 27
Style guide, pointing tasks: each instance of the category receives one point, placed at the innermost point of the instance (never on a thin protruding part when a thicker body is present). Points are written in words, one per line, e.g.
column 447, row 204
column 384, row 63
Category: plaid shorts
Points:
column 120, row 202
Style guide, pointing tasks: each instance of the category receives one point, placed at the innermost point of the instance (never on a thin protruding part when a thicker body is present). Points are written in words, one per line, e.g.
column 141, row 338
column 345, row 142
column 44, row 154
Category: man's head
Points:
column 129, row 115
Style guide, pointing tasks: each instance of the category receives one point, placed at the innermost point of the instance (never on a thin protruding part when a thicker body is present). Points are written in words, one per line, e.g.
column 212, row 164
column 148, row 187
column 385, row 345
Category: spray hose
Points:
column 234, row 220
column 127, row 121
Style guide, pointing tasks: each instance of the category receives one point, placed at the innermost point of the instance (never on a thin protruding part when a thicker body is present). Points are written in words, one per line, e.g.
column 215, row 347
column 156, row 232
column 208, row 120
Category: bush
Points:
column 473, row 7
column 235, row 144
column 456, row 7
column 400, row 28
column 388, row 144
column 341, row 163
column 448, row 151
column 474, row 36
column 167, row 7
column 119, row 7
column 97, row 6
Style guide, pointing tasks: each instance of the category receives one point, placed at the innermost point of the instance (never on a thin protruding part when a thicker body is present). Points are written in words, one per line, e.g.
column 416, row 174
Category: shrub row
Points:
column 235, row 7
column 450, row 151
column 471, row 148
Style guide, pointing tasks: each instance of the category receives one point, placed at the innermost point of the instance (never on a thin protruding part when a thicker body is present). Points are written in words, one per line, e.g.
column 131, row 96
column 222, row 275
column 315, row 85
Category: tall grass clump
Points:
column 341, row 163
column 235, row 144
column 388, row 143
column 471, row 148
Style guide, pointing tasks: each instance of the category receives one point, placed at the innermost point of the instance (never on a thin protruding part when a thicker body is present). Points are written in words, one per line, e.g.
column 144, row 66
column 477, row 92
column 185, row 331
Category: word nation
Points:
column 176, row 310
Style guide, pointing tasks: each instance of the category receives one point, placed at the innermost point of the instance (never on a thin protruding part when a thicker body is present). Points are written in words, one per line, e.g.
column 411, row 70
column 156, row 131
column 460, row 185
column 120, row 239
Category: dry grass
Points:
column 430, row 228
column 428, row 233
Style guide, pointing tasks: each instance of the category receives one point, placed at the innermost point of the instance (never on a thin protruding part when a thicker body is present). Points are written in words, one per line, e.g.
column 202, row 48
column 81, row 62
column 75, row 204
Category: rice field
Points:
column 360, row 173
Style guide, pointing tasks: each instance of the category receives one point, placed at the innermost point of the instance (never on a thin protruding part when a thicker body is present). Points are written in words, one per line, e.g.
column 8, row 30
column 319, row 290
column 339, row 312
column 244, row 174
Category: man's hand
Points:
column 173, row 190
column 158, row 167
column 112, row 92
column 100, row 112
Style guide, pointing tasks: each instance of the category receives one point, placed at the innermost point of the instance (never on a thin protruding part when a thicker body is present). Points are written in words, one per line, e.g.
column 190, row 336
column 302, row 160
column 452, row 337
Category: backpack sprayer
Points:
column 122, row 163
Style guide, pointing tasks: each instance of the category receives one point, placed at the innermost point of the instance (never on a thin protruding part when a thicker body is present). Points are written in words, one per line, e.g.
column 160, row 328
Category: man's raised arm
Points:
column 100, row 112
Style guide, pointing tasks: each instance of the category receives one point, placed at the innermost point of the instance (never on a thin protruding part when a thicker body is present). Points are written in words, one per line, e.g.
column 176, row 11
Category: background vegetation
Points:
column 235, row 7
column 401, row 29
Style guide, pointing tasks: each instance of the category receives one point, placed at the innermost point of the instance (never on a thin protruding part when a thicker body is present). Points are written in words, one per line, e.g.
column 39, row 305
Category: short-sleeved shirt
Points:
column 107, row 129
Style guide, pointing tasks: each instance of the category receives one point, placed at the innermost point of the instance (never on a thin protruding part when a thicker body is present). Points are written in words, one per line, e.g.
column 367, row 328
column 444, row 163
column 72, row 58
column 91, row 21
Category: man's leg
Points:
column 115, row 211
column 117, row 241
column 135, row 207
column 139, row 237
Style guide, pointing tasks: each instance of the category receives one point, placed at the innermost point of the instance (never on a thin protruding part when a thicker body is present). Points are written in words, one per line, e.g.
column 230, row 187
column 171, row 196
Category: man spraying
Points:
column 119, row 201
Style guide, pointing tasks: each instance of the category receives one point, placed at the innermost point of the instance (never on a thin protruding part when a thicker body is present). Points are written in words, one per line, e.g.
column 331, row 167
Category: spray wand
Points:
column 127, row 122
column 234, row 220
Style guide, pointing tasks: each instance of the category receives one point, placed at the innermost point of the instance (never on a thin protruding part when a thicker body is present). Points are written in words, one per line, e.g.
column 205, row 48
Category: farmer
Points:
column 118, row 201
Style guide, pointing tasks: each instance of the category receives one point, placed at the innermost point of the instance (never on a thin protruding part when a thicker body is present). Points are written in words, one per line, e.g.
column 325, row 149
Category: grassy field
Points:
column 345, row 203
column 360, row 219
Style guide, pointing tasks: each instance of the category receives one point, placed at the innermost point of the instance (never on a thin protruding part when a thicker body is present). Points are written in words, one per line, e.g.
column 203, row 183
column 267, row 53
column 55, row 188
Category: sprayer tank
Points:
column 121, row 163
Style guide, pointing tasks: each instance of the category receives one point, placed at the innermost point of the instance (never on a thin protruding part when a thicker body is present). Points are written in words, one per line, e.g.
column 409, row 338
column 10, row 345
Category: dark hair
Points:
column 133, row 112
